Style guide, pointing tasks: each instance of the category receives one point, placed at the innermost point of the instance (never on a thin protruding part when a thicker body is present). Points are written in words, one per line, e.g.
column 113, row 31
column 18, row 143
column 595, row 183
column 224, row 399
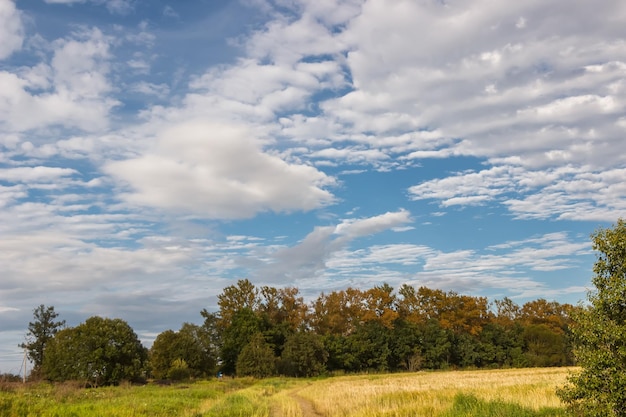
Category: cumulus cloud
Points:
column 11, row 28
column 502, row 84
column 218, row 171
column 475, row 48
column 70, row 91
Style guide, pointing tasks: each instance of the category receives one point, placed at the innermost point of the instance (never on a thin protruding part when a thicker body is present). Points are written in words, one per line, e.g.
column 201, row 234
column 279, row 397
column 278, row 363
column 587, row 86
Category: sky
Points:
column 154, row 152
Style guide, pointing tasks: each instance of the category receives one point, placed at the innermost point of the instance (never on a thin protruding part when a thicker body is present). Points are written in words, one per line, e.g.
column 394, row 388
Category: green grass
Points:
column 466, row 405
column 45, row 400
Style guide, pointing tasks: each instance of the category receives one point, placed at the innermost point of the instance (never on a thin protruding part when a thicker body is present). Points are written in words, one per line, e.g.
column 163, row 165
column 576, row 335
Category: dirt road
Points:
column 305, row 406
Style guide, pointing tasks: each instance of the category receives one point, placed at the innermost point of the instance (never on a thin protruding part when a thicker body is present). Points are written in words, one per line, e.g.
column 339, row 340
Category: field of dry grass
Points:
column 433, row 393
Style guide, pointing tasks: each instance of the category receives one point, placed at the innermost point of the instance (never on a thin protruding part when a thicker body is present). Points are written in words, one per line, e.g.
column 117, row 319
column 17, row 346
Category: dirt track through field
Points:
column 306, row 406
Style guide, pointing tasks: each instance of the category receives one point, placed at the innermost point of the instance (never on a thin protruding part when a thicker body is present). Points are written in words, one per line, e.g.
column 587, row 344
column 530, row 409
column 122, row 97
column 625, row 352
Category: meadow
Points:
column 514, row 393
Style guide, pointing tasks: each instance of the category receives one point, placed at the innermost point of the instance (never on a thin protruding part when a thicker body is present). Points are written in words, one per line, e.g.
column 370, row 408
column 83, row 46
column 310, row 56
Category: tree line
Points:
column 265, row 331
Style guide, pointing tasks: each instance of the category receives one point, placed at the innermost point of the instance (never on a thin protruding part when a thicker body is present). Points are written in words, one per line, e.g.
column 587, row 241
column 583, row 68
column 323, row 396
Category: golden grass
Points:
column 432, row 393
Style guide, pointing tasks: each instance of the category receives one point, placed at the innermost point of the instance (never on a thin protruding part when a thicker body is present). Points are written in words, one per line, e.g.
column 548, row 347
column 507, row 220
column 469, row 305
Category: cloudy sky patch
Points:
column 152, row 153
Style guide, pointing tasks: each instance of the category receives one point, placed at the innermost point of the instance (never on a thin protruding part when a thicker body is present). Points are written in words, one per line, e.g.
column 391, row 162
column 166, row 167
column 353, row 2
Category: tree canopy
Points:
column 599, row 333
column 100, row 351
column 190, row 346
column 381, row 329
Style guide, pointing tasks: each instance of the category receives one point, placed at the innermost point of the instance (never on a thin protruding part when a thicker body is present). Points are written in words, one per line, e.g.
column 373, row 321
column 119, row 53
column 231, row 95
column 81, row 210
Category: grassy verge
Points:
column 68, row 400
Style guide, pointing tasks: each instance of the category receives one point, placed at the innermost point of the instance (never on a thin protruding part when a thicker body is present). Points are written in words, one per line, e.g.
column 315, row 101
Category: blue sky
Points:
column 154, row 152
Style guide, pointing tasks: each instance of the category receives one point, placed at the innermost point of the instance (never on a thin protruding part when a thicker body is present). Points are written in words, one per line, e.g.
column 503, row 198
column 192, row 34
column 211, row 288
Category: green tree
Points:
column 212, row 334
column 370, row 345
column 40, row 331
column 404, row 345
column 256, row 358
column 245, row 324
column 304, row 355
column 436, row 345
column 163, row 352
column 503, row 345
column 186, row 345
column 99, row 351
column 544, row 346
column 205, row 361
column 599, row 333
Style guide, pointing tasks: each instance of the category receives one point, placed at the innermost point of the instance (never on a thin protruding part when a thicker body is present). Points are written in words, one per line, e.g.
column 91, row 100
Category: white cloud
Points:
column 568, row 192
column 71, row 91
column 218, row 171
column 8, row 195
column 315, row 254
column 35, row 174
column 272, row 88
column 286, row 41
column 354, row 228
column 11, row 29
column 467, row 187
column 114, row 6
column 505, row 268
column 501, row 81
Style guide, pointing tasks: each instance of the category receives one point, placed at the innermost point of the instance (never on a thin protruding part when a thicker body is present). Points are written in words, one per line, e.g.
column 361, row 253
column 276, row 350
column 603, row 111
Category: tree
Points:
column 185, row 349
column 164, row 352
column 99, row 351
column 404, row 344
column 40, row 331
column 304, row 355
column 436, row 345
column 339, row 312
column 205, row 361
column 234, row 298
column 507, row 312
column 212, row 334
column 599, row 333
column 503, row 345
column 245, row 324
column 370, row 345
column 256, row 358
column 551, row 314
column 380, row 303
column 544, row 346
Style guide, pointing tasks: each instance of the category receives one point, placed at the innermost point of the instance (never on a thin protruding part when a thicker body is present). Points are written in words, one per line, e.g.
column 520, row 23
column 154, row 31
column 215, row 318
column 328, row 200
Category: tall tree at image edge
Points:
column 599, row 333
